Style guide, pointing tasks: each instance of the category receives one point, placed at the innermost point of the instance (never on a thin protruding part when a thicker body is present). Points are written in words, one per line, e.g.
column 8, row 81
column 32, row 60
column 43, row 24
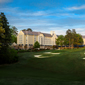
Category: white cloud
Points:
column 23, row 20
column 62, row 31
column 76, row 7
column 80, row 31
column 5, row 1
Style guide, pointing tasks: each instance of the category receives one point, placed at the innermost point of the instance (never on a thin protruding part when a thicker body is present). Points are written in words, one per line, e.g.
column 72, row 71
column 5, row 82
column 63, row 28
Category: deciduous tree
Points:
column 60, row 40
column 14, row 33
column 69, row 36
column 29, row 29
column 78, row 40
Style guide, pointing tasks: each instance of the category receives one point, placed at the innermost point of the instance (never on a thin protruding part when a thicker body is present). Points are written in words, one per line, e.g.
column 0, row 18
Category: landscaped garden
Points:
column 53, row 67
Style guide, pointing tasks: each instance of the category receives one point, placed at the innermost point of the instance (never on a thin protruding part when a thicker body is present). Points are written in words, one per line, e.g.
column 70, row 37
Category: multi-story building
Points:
column 29, row 38
column 83, row 40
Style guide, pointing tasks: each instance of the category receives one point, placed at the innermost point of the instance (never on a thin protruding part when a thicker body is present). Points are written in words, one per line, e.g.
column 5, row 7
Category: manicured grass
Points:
column 66, row 68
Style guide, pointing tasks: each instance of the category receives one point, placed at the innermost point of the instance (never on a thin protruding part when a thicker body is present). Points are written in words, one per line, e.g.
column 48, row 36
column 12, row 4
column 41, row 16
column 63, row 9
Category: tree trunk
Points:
column 69, row 42
column 72, row 43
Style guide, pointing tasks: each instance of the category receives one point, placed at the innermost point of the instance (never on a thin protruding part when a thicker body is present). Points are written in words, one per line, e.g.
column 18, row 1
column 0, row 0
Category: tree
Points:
column 60, row 40
column 14, row 33
column 69, row 36
column 66, row 41
column 78, row 40
column 2, row 31
column 14, row 30
column 7, row 33
column 24, row 30
column 13, row 39
column 29, row 29
column 7, row 55
column 57, row 41
column 73, row 37
column 36, row 44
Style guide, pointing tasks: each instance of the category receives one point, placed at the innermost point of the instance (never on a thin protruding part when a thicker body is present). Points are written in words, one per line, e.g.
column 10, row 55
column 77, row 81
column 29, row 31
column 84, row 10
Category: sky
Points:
column 45, row 15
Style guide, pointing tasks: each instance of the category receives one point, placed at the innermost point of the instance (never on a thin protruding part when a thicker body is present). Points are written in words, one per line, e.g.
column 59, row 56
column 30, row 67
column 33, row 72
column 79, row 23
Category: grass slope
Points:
column 67, row 68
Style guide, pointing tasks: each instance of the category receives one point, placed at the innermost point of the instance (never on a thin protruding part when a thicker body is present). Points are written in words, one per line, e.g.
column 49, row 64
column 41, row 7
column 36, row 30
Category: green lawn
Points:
column 66, row 68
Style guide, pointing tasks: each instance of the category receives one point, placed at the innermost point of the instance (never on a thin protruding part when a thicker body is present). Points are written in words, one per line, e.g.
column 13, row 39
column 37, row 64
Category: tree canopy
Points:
column 5, row 26
column 71, row 38
column 28, row 29
column 78, row 40
column 36, row 44
column 60, row 40
column 2, row 31
column 14, row 30
column 14, row 33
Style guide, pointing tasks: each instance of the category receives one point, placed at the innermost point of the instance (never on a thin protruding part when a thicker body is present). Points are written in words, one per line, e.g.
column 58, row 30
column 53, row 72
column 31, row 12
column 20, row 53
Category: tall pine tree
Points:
column 5, row 25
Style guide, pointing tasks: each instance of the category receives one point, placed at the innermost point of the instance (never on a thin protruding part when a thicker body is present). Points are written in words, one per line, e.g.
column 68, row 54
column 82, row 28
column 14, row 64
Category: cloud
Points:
column 63, row 31
column 5, row 1
column 76, row 7
column 80, row 31
column 35, row 14
column 44, row 21
column 60, row 32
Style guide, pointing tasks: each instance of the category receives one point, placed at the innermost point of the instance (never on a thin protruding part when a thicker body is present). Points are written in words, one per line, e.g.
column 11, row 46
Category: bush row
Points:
column 31, row 50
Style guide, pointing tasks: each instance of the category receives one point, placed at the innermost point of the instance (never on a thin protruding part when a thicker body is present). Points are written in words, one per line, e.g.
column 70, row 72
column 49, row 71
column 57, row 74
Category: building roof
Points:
column 31, row 33
column 47, row 35
column 36, row 33
column 57, row 35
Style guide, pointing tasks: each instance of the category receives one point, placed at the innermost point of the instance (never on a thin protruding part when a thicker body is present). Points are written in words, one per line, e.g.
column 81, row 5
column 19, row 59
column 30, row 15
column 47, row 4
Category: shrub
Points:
column 21, row 51
column 10, row 56
column 36, row 44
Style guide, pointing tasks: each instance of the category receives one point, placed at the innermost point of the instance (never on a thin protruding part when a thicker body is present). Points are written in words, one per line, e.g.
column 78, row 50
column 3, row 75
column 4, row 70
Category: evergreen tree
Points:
column 36, row 44
column 6, row 55
column 2, row 36
column 5, row 26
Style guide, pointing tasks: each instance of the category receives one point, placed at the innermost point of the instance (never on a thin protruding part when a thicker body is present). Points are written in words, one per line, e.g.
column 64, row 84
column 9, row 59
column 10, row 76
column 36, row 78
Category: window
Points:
column 20, row 39
column 34, row 38
column 26, row 37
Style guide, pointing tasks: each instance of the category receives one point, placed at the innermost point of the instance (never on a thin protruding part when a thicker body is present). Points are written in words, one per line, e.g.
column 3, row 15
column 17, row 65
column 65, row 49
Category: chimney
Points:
column 52, row 32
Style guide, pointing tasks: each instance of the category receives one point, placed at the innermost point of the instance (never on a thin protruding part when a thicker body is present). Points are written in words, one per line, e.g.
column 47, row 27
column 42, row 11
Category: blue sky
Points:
column 45, row 15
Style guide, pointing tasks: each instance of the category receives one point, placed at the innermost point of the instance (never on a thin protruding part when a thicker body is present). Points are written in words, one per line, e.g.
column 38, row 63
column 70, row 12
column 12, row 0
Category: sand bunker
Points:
column 50, row 53
column 38, row 56
column 55, row 53
column 83, row 58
